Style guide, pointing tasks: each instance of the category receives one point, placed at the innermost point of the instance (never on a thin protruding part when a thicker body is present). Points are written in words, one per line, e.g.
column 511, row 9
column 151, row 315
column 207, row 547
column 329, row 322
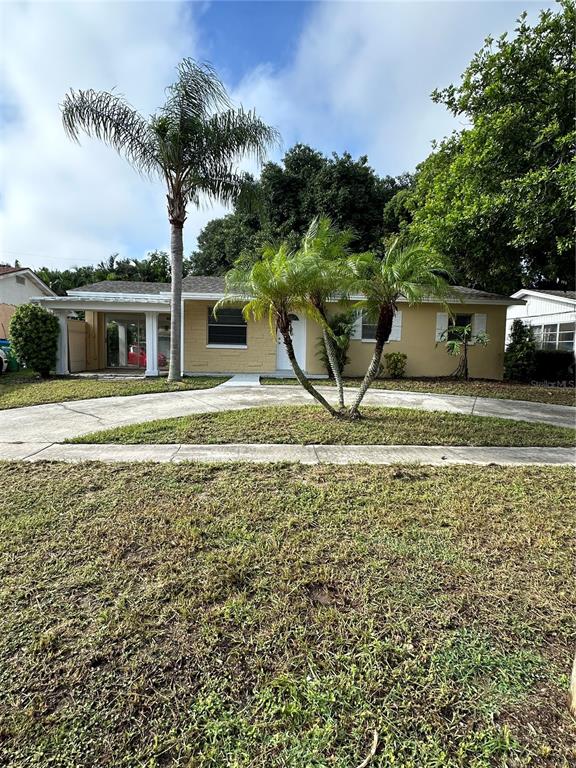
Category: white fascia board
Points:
column 454, row 299
column 103, row 296
column 202, row 296
column 104, row 304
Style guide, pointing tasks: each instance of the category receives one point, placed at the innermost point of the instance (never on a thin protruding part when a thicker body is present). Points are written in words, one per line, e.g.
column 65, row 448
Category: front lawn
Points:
column 312, row 425
column 476, row 388
column 23, row 388
column 273, row 617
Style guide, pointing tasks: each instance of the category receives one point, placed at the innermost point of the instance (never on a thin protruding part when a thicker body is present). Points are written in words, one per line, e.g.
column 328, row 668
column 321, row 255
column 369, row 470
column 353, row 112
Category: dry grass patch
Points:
column 21, row 389
column 312, row 425
column 475, row 388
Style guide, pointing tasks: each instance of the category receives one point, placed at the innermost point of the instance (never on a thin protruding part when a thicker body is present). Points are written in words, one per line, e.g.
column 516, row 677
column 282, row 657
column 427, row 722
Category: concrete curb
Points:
column 435, row 455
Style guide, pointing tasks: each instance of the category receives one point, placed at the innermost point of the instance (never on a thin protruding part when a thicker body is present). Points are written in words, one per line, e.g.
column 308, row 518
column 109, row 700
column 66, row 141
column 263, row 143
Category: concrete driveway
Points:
column 56, row 422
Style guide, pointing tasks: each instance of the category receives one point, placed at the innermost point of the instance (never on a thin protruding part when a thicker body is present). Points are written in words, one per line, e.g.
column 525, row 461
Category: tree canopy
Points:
column 305, row 185
column 498, row 196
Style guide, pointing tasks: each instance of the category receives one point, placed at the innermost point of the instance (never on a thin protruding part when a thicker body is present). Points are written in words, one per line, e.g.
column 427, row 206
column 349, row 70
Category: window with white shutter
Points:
column 357, row 329
column 396, row 332
column 441, row 325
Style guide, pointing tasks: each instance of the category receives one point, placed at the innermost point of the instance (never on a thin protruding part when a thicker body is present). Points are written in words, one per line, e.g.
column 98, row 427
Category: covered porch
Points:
column 118, row 338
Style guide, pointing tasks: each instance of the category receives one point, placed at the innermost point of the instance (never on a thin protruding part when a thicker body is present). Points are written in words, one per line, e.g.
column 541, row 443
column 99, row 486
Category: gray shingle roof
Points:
column 122, row 286
column 203, row 284
column 559, row 294
column 209, row 285
column 475, row 294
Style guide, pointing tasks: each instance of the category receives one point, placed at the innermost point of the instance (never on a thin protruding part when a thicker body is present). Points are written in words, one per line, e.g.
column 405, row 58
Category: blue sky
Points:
column 338, row 75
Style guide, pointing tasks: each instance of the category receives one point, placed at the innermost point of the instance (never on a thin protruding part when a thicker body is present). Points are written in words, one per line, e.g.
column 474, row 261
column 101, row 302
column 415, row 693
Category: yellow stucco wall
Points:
column 258, row 357
column 418, row 342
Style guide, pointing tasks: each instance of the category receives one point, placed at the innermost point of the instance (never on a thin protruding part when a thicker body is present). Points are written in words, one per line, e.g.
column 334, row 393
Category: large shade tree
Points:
column 193, row 144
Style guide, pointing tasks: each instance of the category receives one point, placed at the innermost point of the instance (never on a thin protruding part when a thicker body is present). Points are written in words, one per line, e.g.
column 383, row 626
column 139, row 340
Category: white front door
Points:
column 299, row 342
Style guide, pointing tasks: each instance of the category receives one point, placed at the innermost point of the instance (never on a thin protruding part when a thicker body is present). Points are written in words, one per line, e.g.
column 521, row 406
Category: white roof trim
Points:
column 104, row 296
column 542, row 295
column 32, row 275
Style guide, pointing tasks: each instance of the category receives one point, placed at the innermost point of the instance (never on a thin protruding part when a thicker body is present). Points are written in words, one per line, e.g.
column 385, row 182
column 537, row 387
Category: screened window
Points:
column 549, row 337
column 368, row 328
column 566, row 336
column 458, row 321
column 228, row 328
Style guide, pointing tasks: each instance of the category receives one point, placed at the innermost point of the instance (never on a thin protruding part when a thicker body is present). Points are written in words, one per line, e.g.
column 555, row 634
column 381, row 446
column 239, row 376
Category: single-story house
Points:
column 551, row 314
column 17, row 286
column 128, row 326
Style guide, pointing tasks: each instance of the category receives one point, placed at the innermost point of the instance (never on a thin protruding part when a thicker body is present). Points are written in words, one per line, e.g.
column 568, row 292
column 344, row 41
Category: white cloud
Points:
column 64, row 204
column 360, row 79
column 363, row 73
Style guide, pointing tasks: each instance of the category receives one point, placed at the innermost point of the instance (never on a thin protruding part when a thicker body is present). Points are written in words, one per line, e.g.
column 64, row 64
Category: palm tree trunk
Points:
column 301, row 376
column 334, row 367
column 177, row 217
column 383, row 330
column 176, row 253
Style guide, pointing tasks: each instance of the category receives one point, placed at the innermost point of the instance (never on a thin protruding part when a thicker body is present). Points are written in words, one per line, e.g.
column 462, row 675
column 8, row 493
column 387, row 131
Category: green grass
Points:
column 23, row 388
column 312, row 425
column 475, row 388
column 202, row 616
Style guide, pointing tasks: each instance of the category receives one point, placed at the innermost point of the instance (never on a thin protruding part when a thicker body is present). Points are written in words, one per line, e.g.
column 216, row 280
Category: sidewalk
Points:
column 436, row 455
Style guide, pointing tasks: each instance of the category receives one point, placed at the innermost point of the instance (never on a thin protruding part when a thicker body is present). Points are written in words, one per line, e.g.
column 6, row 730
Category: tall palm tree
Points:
column 414, row 273
column 192, row 144
column 274, row 288
column 323, row 258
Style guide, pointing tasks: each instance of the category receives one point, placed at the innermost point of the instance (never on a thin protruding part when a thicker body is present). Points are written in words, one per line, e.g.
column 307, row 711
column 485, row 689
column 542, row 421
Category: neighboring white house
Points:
column 551, row 314
column 17, row 286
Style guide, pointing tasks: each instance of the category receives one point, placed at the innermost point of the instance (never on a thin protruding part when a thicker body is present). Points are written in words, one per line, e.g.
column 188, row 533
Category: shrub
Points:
column 395, row 363
column 553, row 365
column 34, row 338
column 342, row 326
column 520, row 355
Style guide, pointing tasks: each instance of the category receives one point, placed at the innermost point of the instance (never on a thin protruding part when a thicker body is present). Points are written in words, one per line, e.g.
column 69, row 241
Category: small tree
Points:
column 458, row 339
column 272, row 288
column 34, row 338
column 520, row 355
column 341, row 326
column 413, row 272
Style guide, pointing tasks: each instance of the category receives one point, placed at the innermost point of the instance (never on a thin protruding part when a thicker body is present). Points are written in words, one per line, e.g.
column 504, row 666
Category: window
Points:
column 566, row 336
column 458, row 321
column 554, row 336
column 227, row 329
column 368, row 328
column 20, row 280
column 550, row 337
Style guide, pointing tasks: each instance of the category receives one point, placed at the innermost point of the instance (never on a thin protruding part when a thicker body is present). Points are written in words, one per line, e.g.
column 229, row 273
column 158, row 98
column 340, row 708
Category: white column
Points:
column 62, row 353
column 122, row 345
column 151, row 344
column 182, row 337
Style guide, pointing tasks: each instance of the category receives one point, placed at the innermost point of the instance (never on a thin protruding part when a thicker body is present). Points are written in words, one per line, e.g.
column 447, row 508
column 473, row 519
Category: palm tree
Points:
column 275, row 287
column 323, row 259
column 192, row 144
column 412, row 272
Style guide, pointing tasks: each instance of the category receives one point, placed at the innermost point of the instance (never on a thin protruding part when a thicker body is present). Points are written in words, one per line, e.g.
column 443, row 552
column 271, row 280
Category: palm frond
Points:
column 197, row 92
column 109, row 118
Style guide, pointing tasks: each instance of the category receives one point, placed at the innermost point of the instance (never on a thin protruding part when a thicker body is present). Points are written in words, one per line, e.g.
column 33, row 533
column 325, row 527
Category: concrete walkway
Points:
column 61, row 421
column 305, row 454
